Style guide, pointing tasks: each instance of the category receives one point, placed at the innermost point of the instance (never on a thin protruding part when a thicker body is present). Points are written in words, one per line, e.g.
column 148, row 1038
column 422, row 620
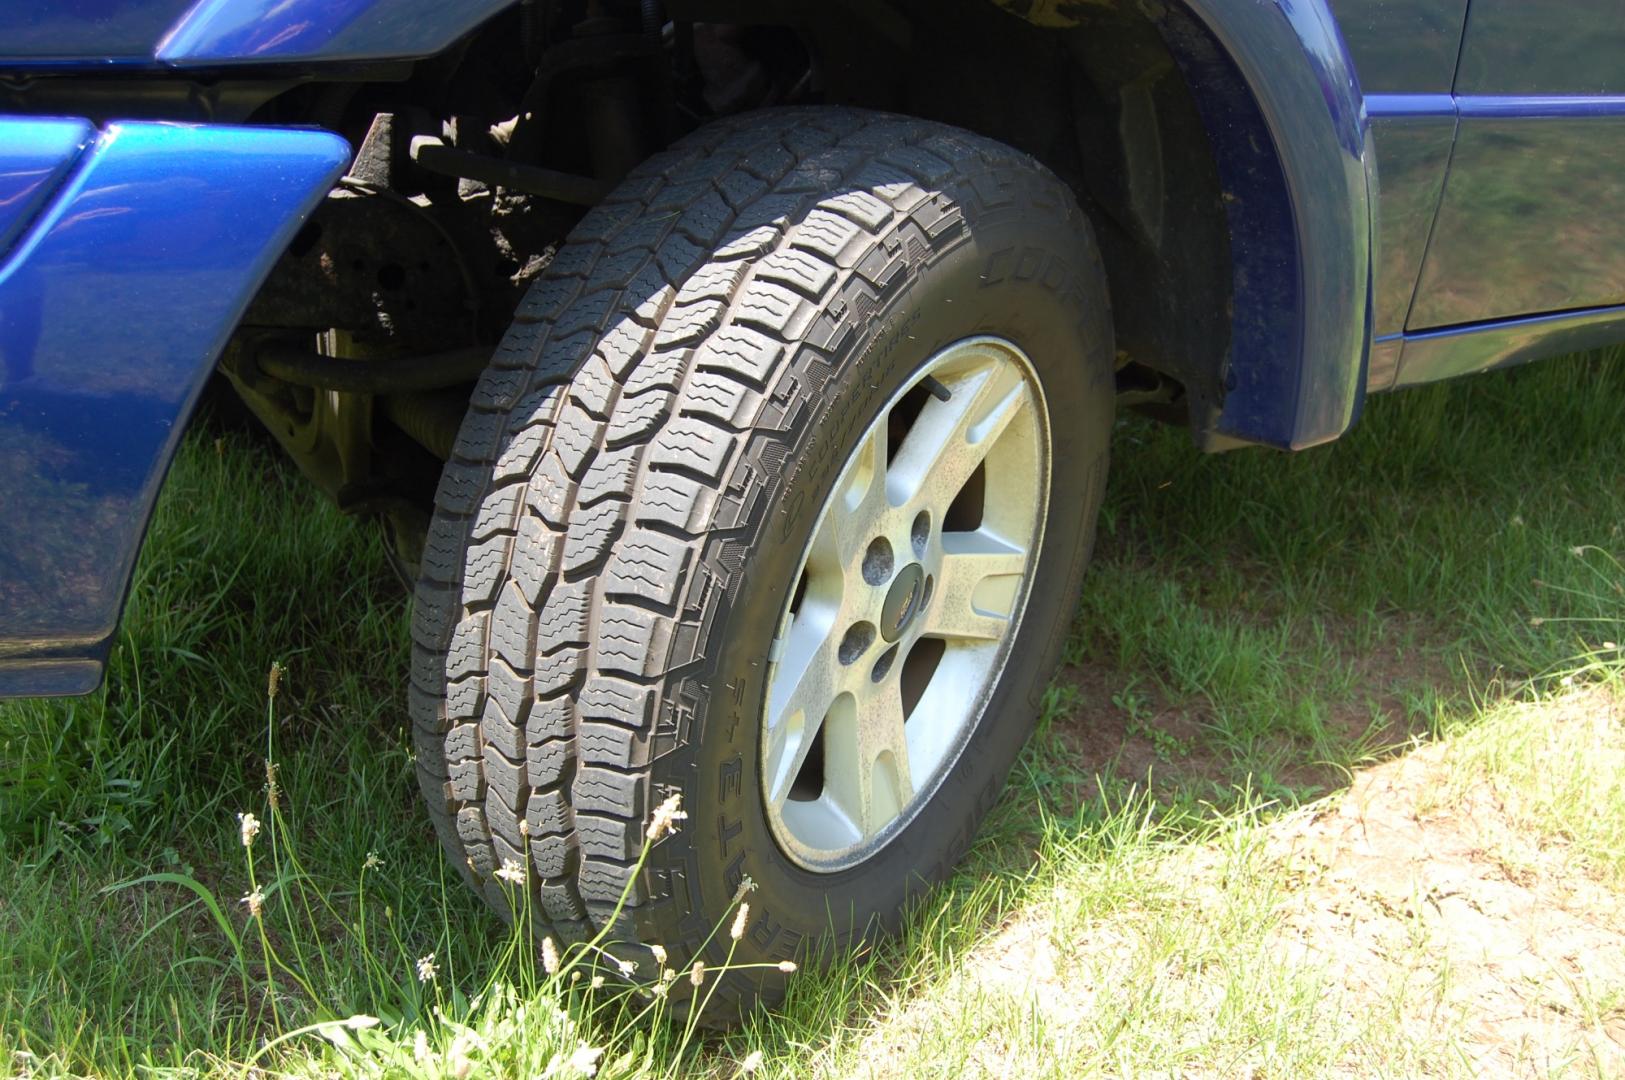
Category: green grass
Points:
column 1256, row 629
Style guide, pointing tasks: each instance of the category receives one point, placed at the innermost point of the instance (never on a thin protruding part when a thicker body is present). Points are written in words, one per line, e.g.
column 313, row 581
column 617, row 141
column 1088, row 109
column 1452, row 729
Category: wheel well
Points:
column 473, row 165
column 1103, row 100
column 1096, row 94
column 1100, row 97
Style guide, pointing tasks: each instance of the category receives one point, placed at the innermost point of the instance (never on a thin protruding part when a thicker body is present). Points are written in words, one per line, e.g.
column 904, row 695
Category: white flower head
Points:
column 737, row 930
column 250, row 827
column 373, row 861
column 752, row 1062
column 255, row 901
column 696, row 974
column 666, row 816
column 585, row 1059
column 550, row 956
column 787, row 966
column 427, row 969
column 457, row 1056
column 511, row 872
column 659, row 952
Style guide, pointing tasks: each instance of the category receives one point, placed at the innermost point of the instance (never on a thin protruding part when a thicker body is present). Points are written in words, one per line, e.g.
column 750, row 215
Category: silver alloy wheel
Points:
column 909, row 595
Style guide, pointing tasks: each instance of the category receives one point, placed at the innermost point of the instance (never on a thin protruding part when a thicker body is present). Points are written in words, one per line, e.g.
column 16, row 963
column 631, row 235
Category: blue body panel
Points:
column 1413, row 155
column 1544, row 48
column 237, row 31
column 100, row 32
column 1533, row 218
column 1432, row 355
column 1403, row 46
column 1300, row 217
column 114, row 307
column 156, row 33
column 34, row 156
column 1521, row 154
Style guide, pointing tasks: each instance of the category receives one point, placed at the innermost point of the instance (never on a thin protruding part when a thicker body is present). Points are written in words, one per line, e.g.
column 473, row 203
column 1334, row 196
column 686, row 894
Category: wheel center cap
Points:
column 902, row 601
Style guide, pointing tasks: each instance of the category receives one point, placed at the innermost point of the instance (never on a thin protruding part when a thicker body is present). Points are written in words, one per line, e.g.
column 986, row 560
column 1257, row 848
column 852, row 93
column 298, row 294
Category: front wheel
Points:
column 776, row 497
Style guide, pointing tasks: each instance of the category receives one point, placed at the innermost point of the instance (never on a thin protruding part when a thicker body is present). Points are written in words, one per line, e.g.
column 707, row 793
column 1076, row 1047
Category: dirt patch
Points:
column 1104, row 738
column 1495, row 930
column 1166, row 743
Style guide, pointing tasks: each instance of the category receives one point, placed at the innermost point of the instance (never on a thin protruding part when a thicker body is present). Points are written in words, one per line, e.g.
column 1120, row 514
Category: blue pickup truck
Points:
column 733, row 379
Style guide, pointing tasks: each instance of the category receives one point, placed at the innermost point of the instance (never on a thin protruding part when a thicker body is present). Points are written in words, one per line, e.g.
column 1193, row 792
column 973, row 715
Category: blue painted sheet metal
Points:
column 153, row 33
column 113, row 309
column 1404, row 46
column 1386, row 353
column 1413, row 156
column 1533, row 216
column 1431, row 355
column 34, row 156
column 1572, row 48
column 218, row 31
column 1303, row 270
column 99, row 32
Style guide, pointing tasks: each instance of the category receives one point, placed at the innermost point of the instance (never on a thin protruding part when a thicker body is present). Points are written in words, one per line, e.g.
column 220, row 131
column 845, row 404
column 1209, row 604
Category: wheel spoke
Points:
column 976, row 588
column 951, row 438
column 859, row 504
column 866, row 769
column 804, row 685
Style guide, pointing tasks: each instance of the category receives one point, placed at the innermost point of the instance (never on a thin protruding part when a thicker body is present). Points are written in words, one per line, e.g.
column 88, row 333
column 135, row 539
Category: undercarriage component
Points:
column 378, row 268
column 431, row 419
column 327, row 433
column 385, row 375
column 385, row 470
column 437, row 157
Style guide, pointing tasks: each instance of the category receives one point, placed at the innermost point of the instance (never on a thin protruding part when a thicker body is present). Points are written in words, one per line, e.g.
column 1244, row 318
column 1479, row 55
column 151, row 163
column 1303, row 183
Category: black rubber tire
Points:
column 631, row 491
